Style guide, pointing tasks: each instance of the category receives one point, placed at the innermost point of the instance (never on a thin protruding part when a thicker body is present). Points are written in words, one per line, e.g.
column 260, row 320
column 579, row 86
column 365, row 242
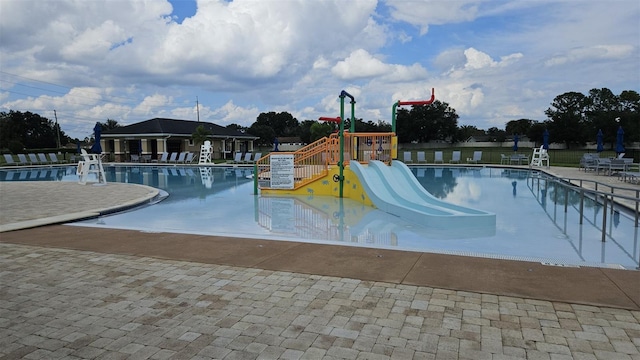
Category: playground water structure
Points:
column 538, row 218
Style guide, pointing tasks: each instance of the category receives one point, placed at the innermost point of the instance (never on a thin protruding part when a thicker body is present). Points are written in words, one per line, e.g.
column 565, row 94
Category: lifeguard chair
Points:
column 540, row 157
column 205, row 153
column 90, row 164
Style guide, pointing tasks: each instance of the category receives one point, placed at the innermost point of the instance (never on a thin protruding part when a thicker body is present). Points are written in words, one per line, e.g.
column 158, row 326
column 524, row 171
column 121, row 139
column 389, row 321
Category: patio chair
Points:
column 43, row 158
column 173, row 157
column 455, row 157
column 617, row 165
column 437, row 157
column 406, row 157
column 477, row 157
column 421, row 157
column 504, row 159
column 247, row 158
column 135, row 158
column 8, row 159
column 602, row 164
column 588, row 161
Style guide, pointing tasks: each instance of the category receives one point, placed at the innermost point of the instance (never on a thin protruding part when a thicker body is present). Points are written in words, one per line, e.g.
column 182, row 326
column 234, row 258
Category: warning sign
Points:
column 282, row 171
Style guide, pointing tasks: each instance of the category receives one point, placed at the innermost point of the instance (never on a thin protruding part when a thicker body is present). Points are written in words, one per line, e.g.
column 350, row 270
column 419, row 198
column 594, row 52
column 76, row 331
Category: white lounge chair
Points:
column 181, row 157
column 477, row 157
column 421, row 157
column 455, row 157
column 43, row 158
column 55, row 160
column 33, row 159
column 8, row 159
column 237, row 158
column 189, row 158
column 173, row 157
column 247, row 158
column 256, row 157
column 22, row 159
column 163, row 158
column 406, row 157
column 437, row 157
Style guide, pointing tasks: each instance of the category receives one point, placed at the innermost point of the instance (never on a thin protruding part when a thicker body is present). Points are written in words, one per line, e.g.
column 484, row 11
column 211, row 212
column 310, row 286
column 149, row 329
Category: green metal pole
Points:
column 352, row 128
column 255, row 179
column 393, row 117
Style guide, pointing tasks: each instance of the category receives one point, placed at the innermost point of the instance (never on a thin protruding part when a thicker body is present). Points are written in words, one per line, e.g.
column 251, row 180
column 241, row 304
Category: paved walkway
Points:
column 73, row 292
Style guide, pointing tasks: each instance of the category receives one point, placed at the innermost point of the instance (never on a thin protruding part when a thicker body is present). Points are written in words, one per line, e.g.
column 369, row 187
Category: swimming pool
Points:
column 531, row 223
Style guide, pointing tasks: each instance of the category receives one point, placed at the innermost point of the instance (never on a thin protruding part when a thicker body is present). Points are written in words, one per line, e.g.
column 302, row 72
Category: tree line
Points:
column 572, row 119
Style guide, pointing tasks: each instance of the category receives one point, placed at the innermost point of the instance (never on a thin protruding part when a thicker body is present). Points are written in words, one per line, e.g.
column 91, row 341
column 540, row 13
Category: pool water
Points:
column 531, row 223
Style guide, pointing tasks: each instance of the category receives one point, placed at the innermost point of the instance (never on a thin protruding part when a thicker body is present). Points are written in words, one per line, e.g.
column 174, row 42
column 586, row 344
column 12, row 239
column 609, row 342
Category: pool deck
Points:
column 78, row 292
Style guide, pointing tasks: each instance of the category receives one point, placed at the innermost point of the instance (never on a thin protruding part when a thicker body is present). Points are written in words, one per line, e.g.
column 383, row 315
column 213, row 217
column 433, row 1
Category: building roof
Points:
column 174, row 127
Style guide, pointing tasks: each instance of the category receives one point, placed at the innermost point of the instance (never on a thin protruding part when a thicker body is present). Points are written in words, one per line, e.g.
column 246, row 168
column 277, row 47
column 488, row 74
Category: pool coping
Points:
column 606, row 287
column 581, row 285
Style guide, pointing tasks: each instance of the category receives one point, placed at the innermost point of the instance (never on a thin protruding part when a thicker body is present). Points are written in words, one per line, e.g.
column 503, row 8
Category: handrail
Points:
column 313, row 161
column 605, row 195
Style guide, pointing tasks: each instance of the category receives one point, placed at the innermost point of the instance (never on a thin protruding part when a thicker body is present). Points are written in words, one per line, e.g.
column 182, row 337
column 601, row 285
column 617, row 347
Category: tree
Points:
column 629, row 102
column 238, row 128
column 467, row 131
column 520, row 126
column 265, row 134
column 109, row 124
column 567, row 118
column 304, row 131
column 320, row 130
column 496, row 134
column 283, row 124
column 424, row 123
column 601, row 110
column 200, row 135
column 31, row 130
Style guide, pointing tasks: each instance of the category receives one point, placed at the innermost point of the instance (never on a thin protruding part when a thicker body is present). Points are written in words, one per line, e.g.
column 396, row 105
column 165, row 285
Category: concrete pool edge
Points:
column 33, row 203
column 578, row 285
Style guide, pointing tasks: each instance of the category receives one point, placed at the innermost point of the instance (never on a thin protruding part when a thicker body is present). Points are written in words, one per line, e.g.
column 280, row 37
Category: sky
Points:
column 492, row 61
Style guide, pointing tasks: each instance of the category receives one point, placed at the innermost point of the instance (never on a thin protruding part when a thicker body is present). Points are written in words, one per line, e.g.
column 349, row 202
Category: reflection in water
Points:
column 533, row 225
column 587, row 212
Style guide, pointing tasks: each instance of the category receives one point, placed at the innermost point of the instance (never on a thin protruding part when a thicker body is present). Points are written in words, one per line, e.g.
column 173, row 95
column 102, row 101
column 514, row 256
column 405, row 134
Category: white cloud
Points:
column 597, row 52
column 360, row 64
column 433, row 12
column 127, row 60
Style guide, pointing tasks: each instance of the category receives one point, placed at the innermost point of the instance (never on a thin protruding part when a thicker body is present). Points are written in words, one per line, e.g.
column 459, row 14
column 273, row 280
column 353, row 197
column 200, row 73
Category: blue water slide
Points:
column 395, row 190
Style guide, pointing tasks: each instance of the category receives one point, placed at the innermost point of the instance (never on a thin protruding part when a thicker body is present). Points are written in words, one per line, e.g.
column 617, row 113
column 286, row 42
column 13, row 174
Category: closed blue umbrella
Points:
column 620, row 141
column 275, row 143
column 97, row 131
column 78, row 147
column 545, row 139
column 599, row 137
column 515, row 142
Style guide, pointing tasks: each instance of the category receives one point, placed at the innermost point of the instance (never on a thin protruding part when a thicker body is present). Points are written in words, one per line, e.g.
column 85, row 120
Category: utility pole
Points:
column 198, row 109
column 57, row 129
